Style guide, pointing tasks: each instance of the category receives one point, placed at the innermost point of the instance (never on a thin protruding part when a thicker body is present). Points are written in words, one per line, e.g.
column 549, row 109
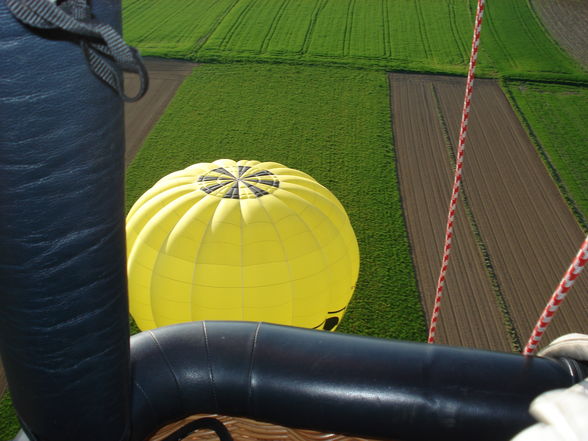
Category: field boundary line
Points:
column 371, row 63
column 544, row 155
column 503, row 307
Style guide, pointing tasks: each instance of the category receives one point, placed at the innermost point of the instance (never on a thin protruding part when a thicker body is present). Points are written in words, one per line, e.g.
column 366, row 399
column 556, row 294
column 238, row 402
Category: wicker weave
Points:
column 243, row 429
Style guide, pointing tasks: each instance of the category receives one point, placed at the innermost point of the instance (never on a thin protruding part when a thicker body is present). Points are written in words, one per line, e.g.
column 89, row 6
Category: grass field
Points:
column 556, row 116
column 424, row 35
column 174, row 28
column 517, row 45
column 331, row 123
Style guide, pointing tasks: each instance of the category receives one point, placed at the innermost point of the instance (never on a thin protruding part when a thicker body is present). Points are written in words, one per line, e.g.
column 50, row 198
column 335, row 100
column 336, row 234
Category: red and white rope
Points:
column 557, row 298
column 458, row 169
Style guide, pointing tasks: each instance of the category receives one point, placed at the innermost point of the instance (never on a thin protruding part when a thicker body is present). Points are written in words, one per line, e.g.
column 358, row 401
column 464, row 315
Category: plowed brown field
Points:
column 567, row 21
column 165, row 76
column 528, row 230
column 425, row 181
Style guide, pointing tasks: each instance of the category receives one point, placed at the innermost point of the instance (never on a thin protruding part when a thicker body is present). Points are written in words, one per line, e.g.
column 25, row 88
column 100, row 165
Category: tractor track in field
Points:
column 165, row 76
column 523, row 222
column 566, row 21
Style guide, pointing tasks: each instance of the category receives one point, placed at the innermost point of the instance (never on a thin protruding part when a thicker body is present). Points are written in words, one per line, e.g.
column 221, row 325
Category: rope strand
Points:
column 458, row 170
column 557, row 298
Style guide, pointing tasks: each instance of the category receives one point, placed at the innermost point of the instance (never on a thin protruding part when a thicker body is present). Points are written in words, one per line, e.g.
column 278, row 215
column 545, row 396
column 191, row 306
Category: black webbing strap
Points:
column 203, row 423
column 107, row 53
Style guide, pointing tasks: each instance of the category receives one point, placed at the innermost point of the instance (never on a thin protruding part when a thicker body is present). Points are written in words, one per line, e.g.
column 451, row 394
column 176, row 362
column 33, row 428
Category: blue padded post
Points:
column 64, row 337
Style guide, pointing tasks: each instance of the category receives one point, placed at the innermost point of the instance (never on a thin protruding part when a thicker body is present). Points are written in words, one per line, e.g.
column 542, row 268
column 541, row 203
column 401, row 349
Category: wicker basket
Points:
column 243, row 429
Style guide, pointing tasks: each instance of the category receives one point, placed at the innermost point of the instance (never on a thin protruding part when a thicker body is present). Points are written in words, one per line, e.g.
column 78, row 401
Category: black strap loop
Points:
column 203, row 423
column 107, row 53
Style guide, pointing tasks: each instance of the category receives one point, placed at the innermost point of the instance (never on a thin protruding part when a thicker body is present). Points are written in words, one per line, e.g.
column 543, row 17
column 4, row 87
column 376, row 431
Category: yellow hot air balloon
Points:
column 243, row 240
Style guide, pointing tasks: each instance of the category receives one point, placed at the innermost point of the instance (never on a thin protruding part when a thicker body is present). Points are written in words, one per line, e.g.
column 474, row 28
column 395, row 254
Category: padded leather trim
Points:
column 333, row 382
column 64, row 314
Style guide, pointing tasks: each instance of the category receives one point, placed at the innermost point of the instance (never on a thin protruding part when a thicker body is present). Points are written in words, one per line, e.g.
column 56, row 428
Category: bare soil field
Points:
column 425, row 177
column 567, row 22
column 530, row 234
column 165, row 76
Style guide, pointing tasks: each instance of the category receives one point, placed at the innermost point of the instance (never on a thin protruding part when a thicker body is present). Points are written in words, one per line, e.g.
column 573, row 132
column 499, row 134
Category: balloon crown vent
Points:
column 239, row 182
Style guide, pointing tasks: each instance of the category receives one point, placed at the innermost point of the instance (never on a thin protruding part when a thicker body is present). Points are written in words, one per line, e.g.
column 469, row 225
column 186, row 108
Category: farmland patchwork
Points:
column 304, row 83
column 424, row 35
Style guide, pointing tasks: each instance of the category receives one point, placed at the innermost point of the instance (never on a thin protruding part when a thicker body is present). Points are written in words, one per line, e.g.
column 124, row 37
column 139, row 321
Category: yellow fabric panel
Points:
column 172, row 302
column 279, row 314
column 217, row 297
column 215, row 252
column 186, row 237
column 207, row 313
column 173, row 268
column 269, row 297
column 240, row 241
column 268, row 274
column 218, row 275
column 308, row 265
column 137, row 220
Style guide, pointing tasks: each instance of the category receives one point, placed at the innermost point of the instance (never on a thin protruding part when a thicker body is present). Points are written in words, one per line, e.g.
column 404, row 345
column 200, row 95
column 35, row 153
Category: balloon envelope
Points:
column 240, row 241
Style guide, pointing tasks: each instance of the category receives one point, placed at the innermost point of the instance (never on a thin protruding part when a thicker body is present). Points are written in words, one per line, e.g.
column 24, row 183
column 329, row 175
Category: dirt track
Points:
column 529, row 232
column 165, row 76
column 567, row 21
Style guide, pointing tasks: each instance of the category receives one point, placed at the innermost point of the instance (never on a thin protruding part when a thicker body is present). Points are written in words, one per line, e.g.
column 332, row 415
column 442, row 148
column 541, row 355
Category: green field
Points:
column 556, row 116
column 173, row 28
column 516, row 44
column 424, row 35
column 331, row 123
